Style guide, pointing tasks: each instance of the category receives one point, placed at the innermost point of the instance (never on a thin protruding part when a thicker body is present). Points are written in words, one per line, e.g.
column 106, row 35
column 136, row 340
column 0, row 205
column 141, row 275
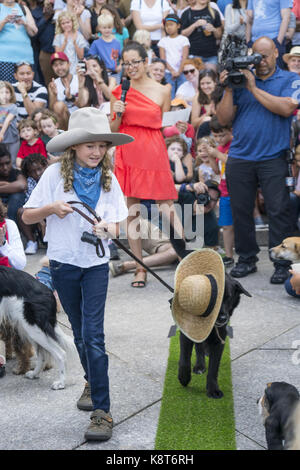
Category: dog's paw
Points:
column 58, row 385
column 184, row 375
column 199, row 370
column 215, row 393
column 30, row 375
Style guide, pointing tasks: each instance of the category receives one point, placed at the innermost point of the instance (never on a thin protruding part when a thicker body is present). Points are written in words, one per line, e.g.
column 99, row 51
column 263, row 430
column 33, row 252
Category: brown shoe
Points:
column 85, row 401
column 101, row 426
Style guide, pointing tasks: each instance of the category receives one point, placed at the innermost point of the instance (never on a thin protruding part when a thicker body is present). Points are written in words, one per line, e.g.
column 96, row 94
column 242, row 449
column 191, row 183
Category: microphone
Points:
column 125, row 88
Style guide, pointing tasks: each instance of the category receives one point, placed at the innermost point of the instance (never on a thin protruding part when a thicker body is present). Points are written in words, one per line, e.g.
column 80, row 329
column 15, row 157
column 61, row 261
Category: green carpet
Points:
column 189, row 420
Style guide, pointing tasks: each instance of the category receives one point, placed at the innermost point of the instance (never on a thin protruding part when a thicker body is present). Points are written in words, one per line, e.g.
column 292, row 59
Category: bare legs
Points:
column 133, row 230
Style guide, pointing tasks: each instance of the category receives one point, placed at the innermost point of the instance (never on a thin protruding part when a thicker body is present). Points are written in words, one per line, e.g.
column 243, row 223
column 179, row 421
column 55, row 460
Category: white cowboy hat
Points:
column 294, row 52
column 198, row 293
column 87, row 125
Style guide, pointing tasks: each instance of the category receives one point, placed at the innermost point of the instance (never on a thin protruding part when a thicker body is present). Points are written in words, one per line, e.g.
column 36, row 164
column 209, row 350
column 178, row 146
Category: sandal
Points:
column 141, row 283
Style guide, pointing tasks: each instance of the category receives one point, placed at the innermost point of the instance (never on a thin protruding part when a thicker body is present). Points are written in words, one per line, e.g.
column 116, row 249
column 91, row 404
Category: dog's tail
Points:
column 294, row 442
column 66, row 342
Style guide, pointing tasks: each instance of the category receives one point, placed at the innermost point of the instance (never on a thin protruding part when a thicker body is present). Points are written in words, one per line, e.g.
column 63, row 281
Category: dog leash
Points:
column 116, row 241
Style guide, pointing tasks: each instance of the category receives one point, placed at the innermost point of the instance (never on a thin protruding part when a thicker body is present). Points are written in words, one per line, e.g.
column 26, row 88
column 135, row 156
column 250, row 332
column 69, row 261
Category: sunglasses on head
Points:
column 185, row 72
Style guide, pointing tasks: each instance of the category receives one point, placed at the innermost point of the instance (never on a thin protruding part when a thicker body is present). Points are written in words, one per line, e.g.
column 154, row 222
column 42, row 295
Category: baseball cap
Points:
column 60, row 56
column 179, row 102
column 212, row 184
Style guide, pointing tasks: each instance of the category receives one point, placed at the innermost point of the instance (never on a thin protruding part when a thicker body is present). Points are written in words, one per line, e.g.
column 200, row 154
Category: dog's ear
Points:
column 241, row 289
column 297, row 248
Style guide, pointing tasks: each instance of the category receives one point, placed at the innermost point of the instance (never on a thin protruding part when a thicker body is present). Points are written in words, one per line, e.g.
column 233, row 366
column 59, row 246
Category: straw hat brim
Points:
column 205, row 261
column 77, row 136
column 286, row 57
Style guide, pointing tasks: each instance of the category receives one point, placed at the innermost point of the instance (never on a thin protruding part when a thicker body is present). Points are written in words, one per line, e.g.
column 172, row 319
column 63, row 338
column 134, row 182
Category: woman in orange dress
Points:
column 143, row 170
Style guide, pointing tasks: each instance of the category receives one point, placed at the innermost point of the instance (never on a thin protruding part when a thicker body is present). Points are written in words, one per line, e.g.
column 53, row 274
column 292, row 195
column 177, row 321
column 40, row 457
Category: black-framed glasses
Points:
column 185, row 72
column 133, row 64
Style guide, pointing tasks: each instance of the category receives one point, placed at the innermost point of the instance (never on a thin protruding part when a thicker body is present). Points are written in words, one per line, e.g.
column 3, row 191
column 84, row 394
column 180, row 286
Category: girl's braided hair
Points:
column 67, row 168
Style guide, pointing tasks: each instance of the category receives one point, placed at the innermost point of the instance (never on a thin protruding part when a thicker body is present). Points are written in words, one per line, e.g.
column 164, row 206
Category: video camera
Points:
column 233, row 56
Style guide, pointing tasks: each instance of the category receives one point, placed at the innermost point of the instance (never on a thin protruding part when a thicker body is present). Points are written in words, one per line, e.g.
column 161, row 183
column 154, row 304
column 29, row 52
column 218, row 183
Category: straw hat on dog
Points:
column 87, row 125
column 198, row 293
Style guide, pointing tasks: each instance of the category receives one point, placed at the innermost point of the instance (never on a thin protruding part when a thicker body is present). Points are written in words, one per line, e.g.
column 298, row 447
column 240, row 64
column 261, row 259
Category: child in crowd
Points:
column 8, row 120
column 107, row 47
column 295, row 195
column 143, row 37
column 36, row 117
column 49, row 126
column 119, row 30
column 31, row 142
column 182, row 128
column 180, row 160
column 218, row 157
column 69, row 40
column 174, row 49
column 203, row 168
column 32, row 168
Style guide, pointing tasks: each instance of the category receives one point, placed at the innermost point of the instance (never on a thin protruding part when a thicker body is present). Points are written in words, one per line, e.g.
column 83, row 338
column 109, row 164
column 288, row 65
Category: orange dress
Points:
column 142, row 167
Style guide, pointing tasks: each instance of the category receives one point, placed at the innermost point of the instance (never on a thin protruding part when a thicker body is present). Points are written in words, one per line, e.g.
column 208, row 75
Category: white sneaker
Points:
column 31, row 248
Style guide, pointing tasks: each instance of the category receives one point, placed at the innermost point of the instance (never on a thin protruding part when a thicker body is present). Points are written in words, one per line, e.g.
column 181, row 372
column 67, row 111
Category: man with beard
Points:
column 63, row 91
column 261, row 114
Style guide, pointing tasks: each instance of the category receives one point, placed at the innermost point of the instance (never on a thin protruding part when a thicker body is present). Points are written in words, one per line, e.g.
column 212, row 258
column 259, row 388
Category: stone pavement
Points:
column 137, row 323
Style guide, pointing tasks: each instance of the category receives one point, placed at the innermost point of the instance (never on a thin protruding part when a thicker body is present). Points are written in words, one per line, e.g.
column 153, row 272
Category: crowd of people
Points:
column 229, row 143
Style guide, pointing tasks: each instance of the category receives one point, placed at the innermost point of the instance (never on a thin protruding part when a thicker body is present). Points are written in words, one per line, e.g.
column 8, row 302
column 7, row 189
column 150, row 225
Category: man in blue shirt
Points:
column 261, row 117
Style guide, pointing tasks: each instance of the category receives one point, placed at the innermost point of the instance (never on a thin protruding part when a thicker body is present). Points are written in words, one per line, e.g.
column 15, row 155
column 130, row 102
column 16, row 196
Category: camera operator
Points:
column 198, row 194
column 261, row 113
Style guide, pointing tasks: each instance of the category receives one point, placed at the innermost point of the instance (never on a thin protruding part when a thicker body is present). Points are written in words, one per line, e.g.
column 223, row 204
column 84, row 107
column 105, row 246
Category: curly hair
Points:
column 67, row 165
column 31, row 159
column 66, row 14
column 175, row 138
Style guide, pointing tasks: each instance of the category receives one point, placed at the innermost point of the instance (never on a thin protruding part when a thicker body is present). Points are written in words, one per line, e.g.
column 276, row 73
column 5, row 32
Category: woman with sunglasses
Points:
column 94, row 84
column 16, row 27
column 143, row 171
column 189, row 88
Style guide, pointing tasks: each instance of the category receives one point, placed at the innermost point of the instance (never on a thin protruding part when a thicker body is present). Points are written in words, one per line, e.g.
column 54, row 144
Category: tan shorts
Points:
column 152, row 237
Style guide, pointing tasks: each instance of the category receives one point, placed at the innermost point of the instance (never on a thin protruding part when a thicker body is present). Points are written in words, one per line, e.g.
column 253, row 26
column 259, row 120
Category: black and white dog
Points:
column 29, row 307
column 213, row 346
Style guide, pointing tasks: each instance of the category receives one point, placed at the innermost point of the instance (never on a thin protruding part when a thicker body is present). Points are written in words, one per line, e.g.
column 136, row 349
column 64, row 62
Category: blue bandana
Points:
column 87, row 184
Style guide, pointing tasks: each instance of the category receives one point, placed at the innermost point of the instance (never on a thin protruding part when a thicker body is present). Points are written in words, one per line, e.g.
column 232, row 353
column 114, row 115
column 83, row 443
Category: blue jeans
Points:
column 82, row 292
column 175, row 82
column 13, row 202
column 289, row 289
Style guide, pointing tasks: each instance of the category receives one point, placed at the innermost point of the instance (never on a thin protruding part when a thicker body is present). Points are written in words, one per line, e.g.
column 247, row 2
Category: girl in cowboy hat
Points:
column 79, row 276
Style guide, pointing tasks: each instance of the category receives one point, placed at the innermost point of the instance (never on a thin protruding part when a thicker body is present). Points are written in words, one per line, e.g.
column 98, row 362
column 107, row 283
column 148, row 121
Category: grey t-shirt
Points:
column 11, row 135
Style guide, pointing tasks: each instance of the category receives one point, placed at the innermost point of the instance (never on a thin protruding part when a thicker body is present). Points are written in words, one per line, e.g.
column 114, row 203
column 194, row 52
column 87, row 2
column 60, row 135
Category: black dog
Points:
column 280, row 408
column 213, row 346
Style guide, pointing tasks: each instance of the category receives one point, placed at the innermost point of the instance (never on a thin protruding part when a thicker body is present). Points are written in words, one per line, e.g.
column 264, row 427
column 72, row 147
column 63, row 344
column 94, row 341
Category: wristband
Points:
column 183, row 187
column 25, row 95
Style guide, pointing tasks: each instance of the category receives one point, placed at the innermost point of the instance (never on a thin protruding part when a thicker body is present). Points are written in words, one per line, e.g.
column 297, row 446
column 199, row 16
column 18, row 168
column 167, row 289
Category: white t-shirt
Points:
column 64, row 235
column 186, row 91
column 61, row 92
column 13, row 249
column 152, row 15
column 173, row 48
